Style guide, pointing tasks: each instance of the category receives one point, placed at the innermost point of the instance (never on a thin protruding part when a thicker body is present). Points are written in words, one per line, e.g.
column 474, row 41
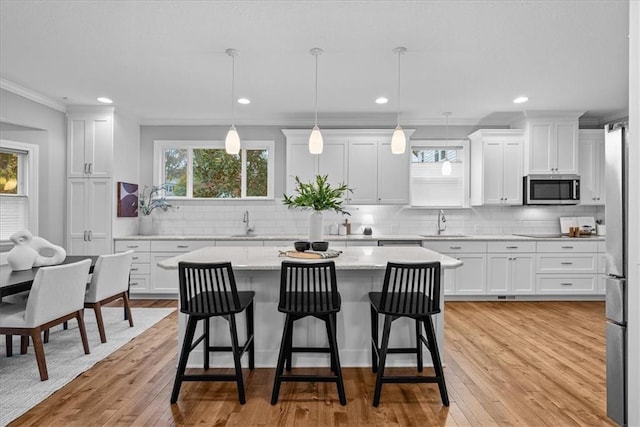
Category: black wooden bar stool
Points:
column 209, row 290
column 308, row 289
column 409, row 290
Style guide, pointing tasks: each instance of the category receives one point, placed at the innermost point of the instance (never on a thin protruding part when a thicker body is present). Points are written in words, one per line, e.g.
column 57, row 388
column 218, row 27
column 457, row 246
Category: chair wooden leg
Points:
column 9, row 343
column 24, row 343
column 83, row 331
column 38, row 348
column 383, row 358
column 65, row 325
column 333, row 345
column 127, row 309
column 184, row 356
column 419, row 345
column 235, row 348
column 374, row 340
column 46, row 336
column 97, row 309
column 289, row 347
column 288, row 324
column 250, row 332
column 206, row 342
column 435, row 356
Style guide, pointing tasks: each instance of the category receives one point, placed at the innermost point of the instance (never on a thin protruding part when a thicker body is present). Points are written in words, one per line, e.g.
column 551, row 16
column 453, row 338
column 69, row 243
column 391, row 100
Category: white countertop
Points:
column 267, row 258
column 353, row 237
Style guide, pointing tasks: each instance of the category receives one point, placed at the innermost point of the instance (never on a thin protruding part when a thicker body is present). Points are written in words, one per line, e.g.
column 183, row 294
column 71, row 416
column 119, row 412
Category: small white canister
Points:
column 342, row 230
column 601, row 230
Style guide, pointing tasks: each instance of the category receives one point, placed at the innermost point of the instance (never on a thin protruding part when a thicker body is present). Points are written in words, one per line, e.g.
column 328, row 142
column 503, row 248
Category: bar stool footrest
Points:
column 310, row 378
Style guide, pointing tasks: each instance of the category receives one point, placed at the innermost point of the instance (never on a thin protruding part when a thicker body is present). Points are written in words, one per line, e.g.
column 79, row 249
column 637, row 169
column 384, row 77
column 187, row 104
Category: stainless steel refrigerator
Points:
column 616, row 217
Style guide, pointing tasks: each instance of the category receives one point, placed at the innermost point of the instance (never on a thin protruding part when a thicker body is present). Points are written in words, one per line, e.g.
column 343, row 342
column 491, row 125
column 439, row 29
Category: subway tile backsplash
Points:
column 275, row 219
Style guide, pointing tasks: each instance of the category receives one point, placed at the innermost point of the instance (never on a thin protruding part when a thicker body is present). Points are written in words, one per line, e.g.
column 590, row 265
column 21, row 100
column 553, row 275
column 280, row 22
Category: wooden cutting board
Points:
column 308, row 255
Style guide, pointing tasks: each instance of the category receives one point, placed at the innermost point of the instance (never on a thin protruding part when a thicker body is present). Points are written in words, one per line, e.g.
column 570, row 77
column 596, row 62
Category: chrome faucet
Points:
column 441, row 222
column 245, row 219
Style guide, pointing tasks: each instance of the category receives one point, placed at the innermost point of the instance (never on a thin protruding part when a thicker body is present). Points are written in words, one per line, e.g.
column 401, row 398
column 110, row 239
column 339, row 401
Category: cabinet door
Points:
column 566, row 150
column 363, row 158
column 76, row 226
column 499, row 274
column 470, row 277
column 512, row 173
column 541, row 148
column 163, row 281
column 493, row 172
column 393, row 175
column 300, row 163
column 90, row 144
column 98, row 216
column 586, row 164
column 333, row 162
column 522, row 274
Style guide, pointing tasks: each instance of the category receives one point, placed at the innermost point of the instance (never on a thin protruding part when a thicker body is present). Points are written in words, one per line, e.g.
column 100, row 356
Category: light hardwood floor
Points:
column 508, row 363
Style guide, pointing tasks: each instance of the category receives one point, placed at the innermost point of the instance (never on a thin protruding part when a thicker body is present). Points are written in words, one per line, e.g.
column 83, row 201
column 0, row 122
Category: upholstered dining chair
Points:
column 109, row 282
column 57, row 295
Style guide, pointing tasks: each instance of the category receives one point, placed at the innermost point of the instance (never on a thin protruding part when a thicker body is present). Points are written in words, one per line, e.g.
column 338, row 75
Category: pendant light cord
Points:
column 399, row 55
column 316, row 104
column 233, row 87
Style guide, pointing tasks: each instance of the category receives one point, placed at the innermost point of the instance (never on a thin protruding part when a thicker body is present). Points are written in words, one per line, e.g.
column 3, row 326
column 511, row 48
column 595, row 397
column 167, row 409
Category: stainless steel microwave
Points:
column 551, row 189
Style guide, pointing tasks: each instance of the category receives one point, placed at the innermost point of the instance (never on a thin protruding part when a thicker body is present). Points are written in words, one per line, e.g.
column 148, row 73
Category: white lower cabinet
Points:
column 567, row 268
column 140, row 264
column 509, row 274
column 470, row 278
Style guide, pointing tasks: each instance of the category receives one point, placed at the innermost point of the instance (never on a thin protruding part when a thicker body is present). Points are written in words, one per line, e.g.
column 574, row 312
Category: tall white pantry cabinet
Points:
column 90, row 137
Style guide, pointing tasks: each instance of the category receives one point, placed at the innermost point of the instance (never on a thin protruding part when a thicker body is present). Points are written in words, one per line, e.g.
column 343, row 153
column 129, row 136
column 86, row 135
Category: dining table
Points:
column 14, row 282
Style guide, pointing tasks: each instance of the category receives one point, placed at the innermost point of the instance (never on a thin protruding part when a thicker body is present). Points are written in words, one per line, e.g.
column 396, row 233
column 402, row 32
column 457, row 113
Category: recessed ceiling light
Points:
column 381, row 100
column 105, row 100
column 520, row 100
column 244, row 101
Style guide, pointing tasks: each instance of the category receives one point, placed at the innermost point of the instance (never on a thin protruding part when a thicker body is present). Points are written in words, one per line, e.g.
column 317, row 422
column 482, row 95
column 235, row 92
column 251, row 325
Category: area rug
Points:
column 20, row 385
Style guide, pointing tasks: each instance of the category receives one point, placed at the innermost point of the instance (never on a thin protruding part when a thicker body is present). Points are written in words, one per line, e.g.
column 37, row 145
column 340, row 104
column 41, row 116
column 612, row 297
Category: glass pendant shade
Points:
column 315, row 141
column 446, row 168
column 232, row 141
column 398, row 141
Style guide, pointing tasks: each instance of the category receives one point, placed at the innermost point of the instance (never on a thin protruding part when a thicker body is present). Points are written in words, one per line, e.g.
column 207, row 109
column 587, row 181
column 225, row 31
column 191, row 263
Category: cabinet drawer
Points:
column 510, row 247
column 138, row 268
column 602, row 263
column 456, row 246
column 569, row 245
column 179, row 245
column 566, row 284
column 140, row 257
column 136, row 245
column 557, row 263
column 139, row 284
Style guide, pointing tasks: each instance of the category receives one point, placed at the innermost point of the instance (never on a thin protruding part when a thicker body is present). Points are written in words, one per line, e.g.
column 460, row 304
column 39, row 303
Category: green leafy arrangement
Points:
column 317, row 196
column 149, row 202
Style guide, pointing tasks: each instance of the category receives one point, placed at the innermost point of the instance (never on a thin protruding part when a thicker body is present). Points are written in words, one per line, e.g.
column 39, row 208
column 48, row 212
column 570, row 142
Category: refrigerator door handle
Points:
column 615, row 296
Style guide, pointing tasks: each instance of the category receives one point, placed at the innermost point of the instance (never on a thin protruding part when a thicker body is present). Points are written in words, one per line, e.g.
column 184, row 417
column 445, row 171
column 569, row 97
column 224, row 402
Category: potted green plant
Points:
column 147, row 203
column 318, row 196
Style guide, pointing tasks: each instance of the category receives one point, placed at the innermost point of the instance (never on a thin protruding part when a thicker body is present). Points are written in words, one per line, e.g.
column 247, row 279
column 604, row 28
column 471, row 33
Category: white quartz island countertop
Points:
column 270, row 258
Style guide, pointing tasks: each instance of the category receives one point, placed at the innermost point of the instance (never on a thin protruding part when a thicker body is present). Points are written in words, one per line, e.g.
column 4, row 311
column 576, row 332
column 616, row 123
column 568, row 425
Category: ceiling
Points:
column 165, row 63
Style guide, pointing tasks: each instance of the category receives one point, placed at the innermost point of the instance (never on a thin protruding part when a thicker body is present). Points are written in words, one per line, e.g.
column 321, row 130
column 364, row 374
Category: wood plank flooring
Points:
column 508, row 363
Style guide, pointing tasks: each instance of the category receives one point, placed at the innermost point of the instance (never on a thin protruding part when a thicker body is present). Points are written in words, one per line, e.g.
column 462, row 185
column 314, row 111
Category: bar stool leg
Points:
column 383, row 358
column 289, row 349
column 335, row 357
column 332, row 358
column 184, row 356
column 249, row 328
column 206, row 342
column 236, row 358
column 374, row 340
column 435, row 357
column 419, row 345
column 288, row 324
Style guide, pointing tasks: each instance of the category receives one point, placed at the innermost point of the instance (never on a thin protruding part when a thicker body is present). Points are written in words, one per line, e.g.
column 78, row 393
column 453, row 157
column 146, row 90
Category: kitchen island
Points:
column 359, row 270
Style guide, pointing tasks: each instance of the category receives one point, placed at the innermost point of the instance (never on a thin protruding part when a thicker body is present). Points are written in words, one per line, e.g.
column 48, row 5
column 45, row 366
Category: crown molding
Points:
column 32, row 95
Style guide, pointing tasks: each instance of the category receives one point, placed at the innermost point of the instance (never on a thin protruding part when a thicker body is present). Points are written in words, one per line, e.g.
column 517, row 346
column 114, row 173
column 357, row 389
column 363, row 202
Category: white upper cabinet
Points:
column 360, row 158
column 591, row 167
column 496, row 167
column 90, row 142
column 551, row 140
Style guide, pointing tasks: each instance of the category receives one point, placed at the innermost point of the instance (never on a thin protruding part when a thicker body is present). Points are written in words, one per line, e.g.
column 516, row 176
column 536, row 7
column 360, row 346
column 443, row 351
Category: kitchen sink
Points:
column 244, row 235
column 442, row 236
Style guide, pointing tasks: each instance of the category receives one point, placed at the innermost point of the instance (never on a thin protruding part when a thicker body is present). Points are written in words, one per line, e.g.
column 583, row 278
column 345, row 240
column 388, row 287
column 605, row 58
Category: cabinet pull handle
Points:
column 90, row 168
column 84, row 170
column 134, row 283
column 183, row 246
column 566, row 284
column 512, row 247
column 90, row 235
column 135, row 257
column 455, row 247
column 566, row 263
column 134, row 269
column 132, row 246
column 84, row 236
column 567, row 247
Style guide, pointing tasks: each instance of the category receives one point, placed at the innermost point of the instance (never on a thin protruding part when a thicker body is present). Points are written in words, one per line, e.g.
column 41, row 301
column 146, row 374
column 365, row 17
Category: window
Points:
column 203, row 170
column 18, row 188
column 429, row 187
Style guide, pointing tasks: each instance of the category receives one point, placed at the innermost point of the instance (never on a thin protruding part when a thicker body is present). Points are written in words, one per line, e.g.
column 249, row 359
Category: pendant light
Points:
column 398, row 140
column 446, row 165
column 315, row 139
column 232, row 141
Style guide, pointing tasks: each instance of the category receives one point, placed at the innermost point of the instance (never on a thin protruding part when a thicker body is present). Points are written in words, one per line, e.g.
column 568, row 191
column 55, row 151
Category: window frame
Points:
column 159, row 146
column 27, row 180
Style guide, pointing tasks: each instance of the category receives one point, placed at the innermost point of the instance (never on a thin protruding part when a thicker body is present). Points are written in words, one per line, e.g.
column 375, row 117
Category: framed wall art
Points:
column 127, row 199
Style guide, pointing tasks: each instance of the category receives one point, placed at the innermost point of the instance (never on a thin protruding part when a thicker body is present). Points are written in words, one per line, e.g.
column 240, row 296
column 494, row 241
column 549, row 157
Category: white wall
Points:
column 126, row 163
column 46, row 127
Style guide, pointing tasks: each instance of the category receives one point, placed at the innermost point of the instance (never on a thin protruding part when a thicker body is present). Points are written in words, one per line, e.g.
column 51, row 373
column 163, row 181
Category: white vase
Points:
column 315, row 226
column 146, row 225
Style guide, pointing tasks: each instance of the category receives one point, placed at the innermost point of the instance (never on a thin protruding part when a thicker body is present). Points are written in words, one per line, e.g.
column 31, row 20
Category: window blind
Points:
column 14, row 215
